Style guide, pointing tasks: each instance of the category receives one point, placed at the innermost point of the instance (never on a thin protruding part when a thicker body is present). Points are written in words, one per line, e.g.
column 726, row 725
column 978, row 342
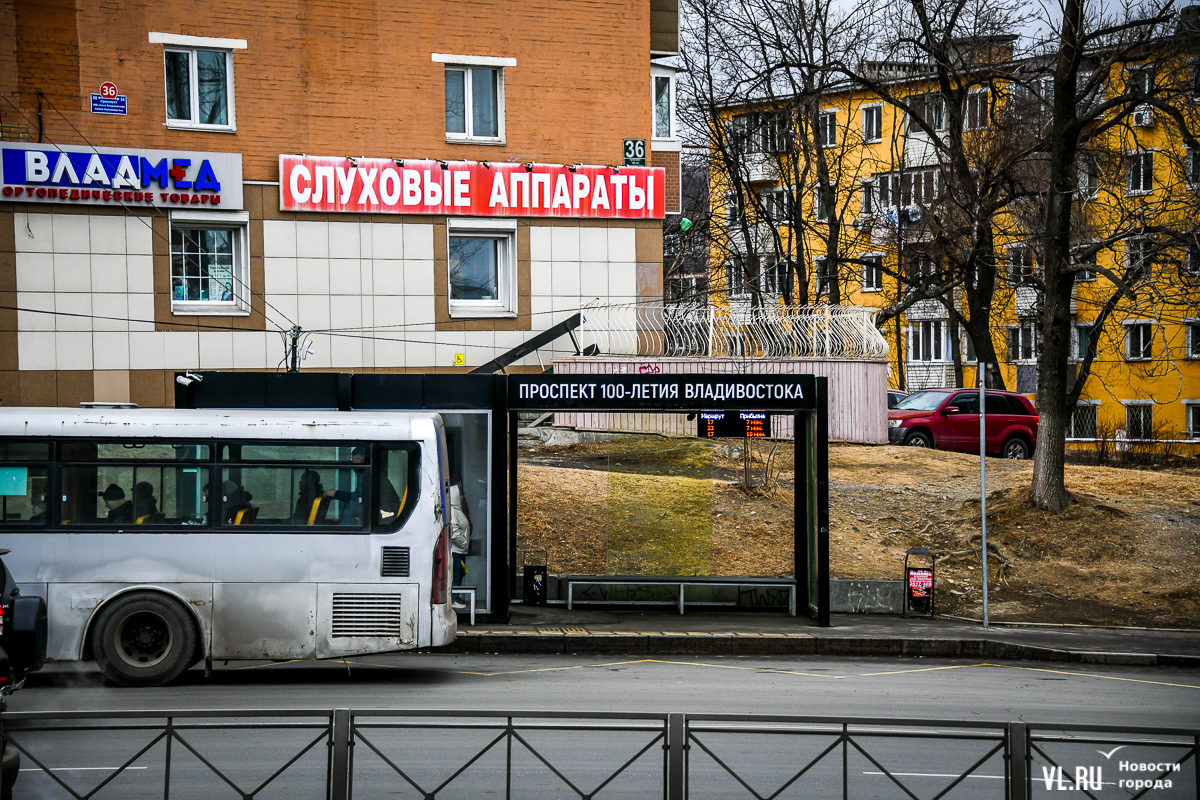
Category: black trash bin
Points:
column 918, row 584
column 535, row 585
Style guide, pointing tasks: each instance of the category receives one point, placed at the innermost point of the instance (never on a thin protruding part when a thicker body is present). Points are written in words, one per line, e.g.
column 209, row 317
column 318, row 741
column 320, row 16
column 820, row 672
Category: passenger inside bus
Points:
column 236, row 508
column 120, row 512
column 145, row 507
column 311, row 503
column 37, row 509
column 352, row 501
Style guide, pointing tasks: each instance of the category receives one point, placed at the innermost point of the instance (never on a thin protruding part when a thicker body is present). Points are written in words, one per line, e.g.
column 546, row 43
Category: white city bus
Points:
column 160, row 538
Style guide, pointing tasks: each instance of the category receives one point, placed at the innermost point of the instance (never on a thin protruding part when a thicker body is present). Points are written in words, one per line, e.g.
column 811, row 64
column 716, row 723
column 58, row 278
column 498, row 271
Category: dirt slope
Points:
column 1127, row 554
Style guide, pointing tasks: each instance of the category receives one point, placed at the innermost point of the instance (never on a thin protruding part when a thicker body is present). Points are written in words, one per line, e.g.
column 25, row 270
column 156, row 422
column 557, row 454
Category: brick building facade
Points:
column 183, row 255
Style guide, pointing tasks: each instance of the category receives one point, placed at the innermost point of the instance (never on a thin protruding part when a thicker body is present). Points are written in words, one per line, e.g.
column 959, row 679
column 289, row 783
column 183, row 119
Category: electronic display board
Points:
column 723, row 424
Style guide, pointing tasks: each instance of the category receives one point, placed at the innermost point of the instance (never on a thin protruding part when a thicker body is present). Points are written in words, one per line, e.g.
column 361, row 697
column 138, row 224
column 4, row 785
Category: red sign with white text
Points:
column 334, row 184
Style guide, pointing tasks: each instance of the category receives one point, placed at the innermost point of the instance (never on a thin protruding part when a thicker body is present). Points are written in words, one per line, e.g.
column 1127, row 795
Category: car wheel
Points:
column 1015, row 448
column 143, row 639
column 919, row 439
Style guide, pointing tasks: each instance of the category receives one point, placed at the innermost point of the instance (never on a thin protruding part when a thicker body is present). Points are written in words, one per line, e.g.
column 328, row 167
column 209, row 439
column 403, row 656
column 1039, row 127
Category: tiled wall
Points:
column 88, row 265
column 375, row 279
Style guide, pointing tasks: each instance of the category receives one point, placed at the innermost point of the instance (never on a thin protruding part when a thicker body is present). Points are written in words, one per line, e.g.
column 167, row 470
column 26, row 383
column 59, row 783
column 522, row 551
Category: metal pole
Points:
column 983, row 484
column 675, row 751
column 340, row 779
column 1018, row 761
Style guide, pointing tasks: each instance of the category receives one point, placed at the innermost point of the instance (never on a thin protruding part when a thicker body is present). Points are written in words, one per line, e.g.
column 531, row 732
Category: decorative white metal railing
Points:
column 654, row 329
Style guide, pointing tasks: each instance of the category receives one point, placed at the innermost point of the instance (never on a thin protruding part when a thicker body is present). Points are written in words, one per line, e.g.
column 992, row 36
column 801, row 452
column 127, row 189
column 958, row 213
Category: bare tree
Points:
column 1104, row 68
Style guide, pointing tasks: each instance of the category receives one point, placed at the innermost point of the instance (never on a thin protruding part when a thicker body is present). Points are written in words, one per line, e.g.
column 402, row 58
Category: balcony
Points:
column 761, row 167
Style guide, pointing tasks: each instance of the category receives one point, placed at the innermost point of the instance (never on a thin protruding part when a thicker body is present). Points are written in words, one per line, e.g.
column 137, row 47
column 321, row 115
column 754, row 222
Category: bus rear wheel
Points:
column 143, row 639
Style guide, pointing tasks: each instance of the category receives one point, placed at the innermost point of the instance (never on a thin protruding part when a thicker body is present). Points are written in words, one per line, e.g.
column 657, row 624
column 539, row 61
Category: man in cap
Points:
column 120, row 511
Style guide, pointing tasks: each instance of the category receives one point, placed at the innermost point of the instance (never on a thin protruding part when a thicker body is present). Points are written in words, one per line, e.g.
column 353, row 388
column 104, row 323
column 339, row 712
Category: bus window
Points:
column 133, row 451
column 293, row 496
column 24, row 451
column 23, row 495
column 253, row 451
column 397, row 486
column 133, row 494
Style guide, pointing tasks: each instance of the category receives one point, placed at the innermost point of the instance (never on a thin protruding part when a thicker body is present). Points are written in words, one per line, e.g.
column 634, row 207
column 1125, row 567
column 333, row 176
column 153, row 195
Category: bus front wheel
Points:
column 143, row 639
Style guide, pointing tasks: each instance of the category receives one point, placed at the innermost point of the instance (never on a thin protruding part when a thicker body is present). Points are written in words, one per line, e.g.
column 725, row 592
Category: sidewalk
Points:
column 550, row 629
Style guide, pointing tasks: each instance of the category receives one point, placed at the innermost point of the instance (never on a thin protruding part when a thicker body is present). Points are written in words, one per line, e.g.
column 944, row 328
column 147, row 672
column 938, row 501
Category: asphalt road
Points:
column 947, row 690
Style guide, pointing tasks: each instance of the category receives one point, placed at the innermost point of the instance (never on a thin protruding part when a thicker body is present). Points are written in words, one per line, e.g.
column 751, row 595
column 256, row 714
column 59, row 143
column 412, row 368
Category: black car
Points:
column 22, row 651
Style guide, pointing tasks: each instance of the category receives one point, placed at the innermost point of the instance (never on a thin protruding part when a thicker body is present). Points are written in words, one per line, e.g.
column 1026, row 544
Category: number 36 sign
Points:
column 635, row 152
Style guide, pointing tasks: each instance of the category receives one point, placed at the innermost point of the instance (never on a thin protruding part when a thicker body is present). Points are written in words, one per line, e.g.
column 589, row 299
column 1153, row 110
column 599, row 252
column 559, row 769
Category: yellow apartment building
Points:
column 1137, row 215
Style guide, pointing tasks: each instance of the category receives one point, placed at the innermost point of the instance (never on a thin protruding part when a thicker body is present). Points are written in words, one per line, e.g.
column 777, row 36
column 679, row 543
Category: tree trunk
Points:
column 1048, row 489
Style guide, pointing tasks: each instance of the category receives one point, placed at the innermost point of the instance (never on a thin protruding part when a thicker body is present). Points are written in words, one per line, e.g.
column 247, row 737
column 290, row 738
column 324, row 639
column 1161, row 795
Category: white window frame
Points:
column 664, row 143
column 826, row 130
column 1088, row 181
column 863, row 272
column 1088, row 276
column 895, row 191
column 237, row 221
column 467, row 63
column 1148, row 343
column 1071, row 432
column 735, row 267
column 776, row 204
column 987, row 108
column 1191, row 167
column 1077, row 343
column 1013, row 278
column 1190, row 267
column 1130, row 191
column 939, row 347
column 1025, row 331
column 867, row 202
column 1146, row 268
column 875, row 108
column 179, row 43
column 1190, row 430
column 1128, row 404
column 505, row 304
column 817, row 216
column 821, row 275
column 1140, row 69
column 1191, row 338
column 771, row 282
column 910, row 122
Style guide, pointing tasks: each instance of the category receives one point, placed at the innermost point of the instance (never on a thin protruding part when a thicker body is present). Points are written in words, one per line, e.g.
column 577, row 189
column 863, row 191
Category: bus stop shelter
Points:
column 482, row 410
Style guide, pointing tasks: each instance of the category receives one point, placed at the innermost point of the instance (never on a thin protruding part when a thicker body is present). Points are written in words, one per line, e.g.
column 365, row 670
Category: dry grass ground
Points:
column 1128, row 553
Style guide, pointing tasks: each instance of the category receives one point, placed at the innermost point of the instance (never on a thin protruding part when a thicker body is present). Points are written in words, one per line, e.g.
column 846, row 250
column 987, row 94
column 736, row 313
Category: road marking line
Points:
column 935, row 775
column 515, row 671
column 272, row 664
column 1098, row 677
column 925, row 669
column 78, row 769
column 752, row 669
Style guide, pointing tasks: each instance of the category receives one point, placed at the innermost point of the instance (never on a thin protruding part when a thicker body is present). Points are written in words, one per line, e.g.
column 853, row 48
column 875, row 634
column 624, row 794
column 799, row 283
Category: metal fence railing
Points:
column 742, row 331
column 341, row 753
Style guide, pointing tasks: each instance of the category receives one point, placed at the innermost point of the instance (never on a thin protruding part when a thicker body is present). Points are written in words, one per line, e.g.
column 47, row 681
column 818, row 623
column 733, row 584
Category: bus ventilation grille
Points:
column 394, row 563
column 366, row 615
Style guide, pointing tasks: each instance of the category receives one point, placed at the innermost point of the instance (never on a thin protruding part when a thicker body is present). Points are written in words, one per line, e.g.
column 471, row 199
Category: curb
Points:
column 798, row 644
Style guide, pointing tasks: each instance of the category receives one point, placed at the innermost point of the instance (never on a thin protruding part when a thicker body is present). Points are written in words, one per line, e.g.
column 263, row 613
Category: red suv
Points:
column 948, row 419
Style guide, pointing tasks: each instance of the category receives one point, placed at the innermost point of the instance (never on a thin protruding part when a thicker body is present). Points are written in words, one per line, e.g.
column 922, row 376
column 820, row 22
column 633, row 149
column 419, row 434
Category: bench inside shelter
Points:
column 736, row 592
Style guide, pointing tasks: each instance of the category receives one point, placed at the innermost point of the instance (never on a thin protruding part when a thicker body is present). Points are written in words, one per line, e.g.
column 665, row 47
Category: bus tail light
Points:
column 441, row 569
